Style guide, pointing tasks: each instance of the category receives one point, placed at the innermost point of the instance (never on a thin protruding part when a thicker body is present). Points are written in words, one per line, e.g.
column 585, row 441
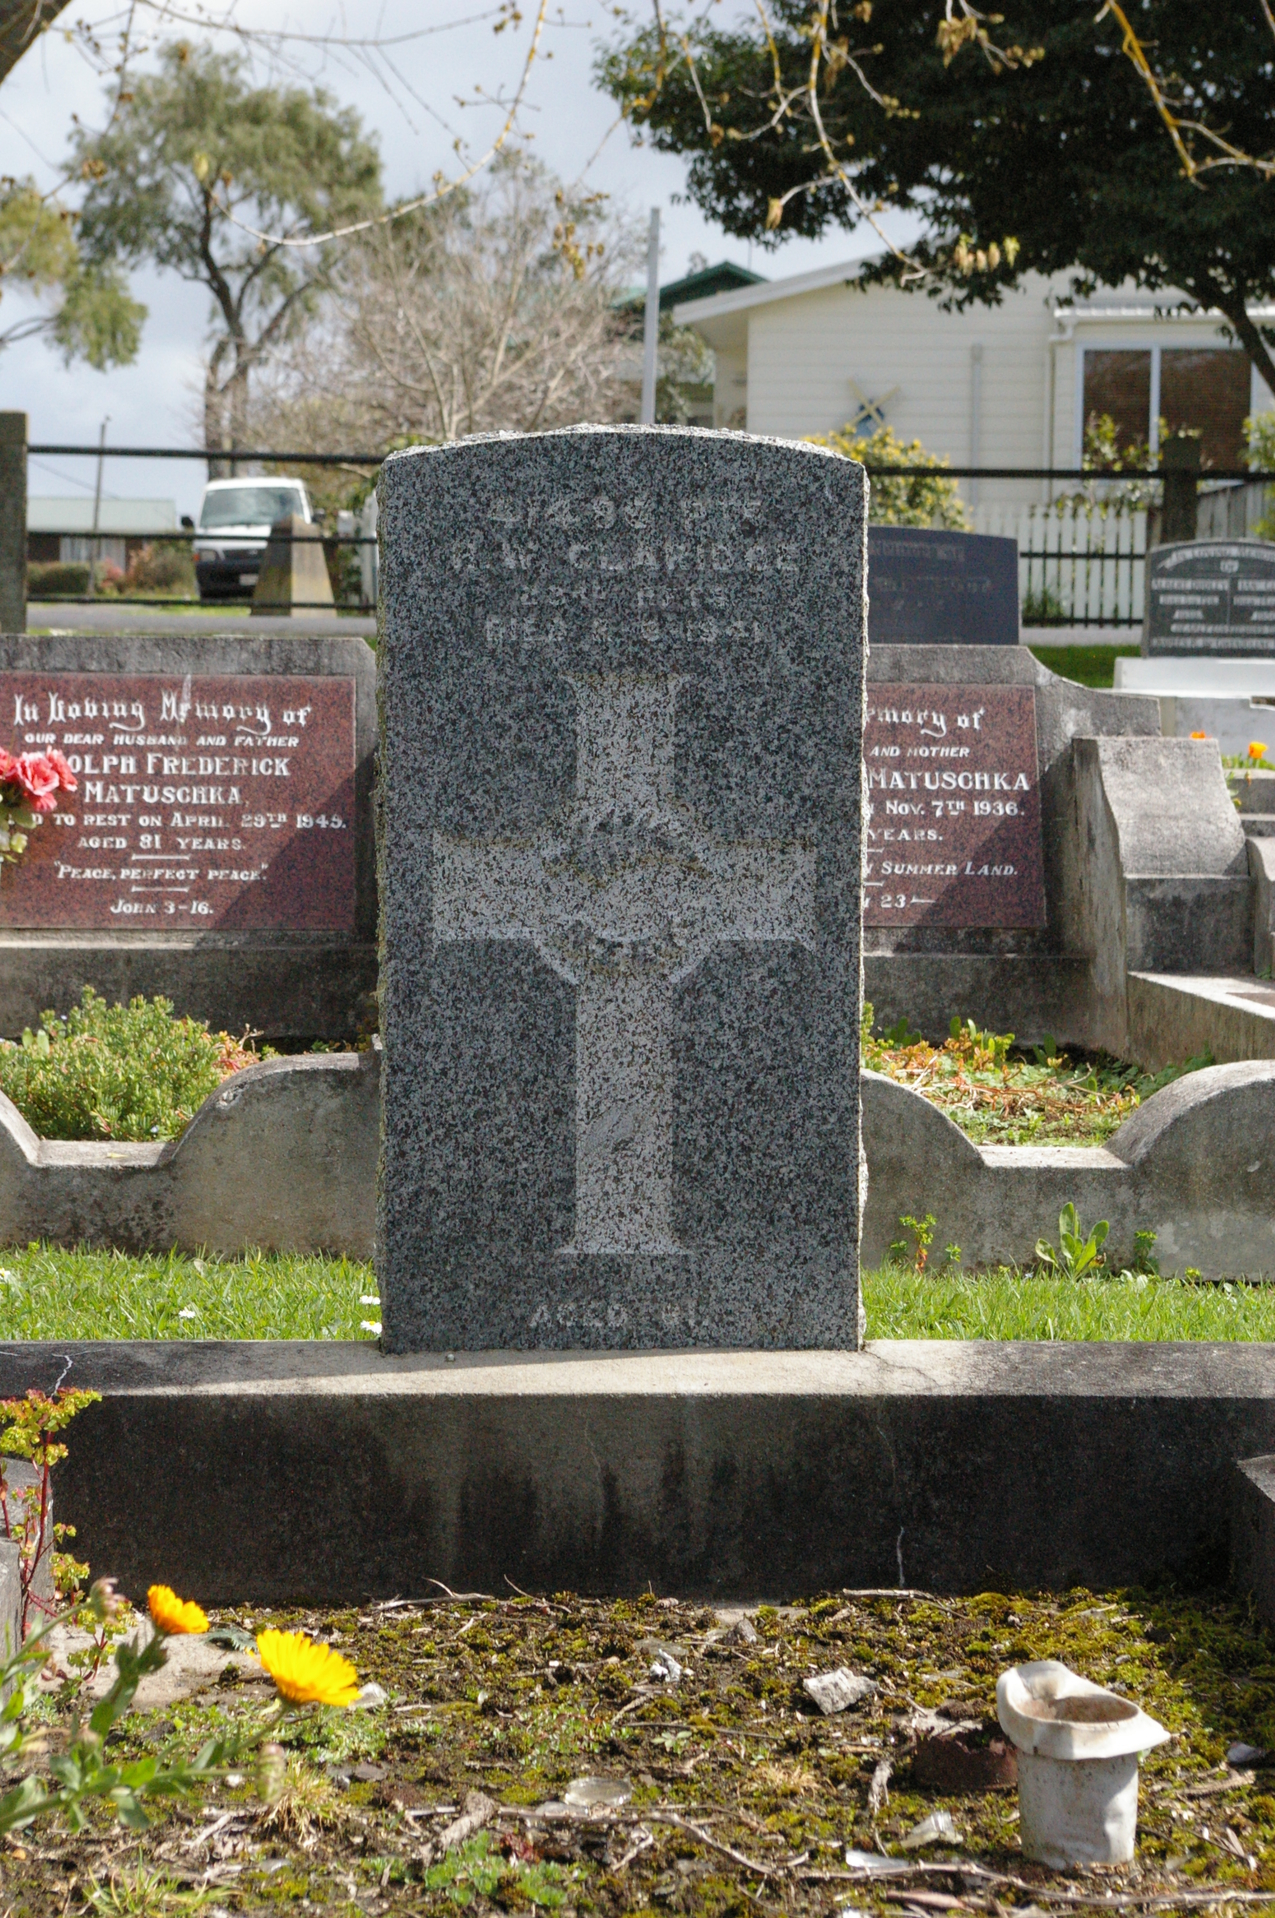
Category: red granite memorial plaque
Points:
column 953, row 833
column 203, row 803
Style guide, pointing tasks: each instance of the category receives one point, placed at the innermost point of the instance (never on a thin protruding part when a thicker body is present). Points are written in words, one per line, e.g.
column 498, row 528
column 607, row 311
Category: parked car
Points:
column 235, row 517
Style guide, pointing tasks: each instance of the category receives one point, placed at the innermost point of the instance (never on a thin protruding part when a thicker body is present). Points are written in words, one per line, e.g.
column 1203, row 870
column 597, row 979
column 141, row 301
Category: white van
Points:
column 235, row 517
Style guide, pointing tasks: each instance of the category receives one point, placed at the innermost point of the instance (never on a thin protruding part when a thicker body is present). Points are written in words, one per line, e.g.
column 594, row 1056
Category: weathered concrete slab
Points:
column 1176, row 1016
column 1193, row 1165
column 331, row 1473
column 294, row 573
column 1164, row 884
column 1261, row 866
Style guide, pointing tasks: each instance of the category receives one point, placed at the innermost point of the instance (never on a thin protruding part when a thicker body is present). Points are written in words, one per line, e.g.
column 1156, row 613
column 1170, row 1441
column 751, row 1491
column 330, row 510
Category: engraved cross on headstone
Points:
column 623, row 896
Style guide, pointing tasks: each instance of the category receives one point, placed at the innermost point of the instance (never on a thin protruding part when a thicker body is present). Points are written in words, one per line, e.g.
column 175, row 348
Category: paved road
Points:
column 105, row 618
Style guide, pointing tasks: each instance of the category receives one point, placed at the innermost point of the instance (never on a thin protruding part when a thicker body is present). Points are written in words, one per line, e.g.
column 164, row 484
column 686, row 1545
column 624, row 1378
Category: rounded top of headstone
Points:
column 697, row 435
column 1208, row 552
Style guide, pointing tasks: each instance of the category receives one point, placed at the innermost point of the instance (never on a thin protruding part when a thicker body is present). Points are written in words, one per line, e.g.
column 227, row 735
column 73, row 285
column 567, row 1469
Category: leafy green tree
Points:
column 233, row 187
column 1044, row 153
column 87, row 311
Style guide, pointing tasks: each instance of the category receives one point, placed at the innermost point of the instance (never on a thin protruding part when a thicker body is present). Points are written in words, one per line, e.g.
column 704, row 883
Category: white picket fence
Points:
column 1077, row 566
column 1083, row 565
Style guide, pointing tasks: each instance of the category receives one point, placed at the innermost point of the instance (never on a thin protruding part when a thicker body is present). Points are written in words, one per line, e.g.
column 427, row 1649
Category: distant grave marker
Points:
column 620, row 764
column 1211, row 596
column 927, row 587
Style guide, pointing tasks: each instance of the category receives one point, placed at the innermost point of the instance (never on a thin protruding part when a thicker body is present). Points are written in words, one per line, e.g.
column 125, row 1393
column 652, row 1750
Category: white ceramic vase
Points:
column 1078, row 1749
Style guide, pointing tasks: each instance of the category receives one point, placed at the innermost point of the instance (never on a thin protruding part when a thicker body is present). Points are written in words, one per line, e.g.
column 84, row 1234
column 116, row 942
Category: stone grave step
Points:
column 1258, row 825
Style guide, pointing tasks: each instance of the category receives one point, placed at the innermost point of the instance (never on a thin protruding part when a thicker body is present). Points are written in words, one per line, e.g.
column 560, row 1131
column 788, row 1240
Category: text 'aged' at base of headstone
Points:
column 621, row 692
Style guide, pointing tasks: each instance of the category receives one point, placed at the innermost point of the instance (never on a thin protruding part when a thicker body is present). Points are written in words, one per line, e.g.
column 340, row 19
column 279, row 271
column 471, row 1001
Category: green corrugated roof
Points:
column 725, row 277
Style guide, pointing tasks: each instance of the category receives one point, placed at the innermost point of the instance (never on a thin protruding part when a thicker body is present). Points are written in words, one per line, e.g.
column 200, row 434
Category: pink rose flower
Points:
column 66, row 778
column 38, row 780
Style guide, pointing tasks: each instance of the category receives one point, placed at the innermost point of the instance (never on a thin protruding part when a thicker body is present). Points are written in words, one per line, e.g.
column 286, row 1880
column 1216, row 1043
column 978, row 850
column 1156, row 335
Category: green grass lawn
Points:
column 1088, row 665
column 903, row 1304
column 46, row 1293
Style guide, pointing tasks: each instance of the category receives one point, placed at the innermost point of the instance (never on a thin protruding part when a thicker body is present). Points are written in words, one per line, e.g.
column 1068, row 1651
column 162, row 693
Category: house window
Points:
column 1202, row 389
column 1207, row 390
column 1119, row 384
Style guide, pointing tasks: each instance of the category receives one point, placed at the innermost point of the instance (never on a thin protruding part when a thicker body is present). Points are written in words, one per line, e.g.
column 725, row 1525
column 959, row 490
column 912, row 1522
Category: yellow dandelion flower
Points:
column 173, row 1614
column 306, row 1673
column 1257, row 749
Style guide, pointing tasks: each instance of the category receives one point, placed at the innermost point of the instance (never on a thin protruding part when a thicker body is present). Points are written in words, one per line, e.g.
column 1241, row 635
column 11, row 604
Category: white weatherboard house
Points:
column 1010, row 385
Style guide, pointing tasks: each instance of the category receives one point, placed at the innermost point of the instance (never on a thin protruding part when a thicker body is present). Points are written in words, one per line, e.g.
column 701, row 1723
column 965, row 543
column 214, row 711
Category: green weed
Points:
column 1078, row 1251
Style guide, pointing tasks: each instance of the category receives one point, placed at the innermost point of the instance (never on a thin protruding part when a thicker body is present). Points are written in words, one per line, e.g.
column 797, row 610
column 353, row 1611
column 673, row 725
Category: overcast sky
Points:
column 415, row 112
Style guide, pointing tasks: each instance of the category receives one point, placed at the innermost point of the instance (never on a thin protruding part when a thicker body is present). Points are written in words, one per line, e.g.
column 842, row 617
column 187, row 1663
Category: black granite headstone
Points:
column 929, row 588
column 1211, row 596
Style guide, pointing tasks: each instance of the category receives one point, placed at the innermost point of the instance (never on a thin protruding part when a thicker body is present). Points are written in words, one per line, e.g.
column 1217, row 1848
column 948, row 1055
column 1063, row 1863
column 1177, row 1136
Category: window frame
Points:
column 1139, row 342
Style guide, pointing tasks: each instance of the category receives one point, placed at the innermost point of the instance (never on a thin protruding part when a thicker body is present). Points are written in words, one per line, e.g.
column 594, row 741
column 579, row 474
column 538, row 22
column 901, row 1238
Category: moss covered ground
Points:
column 737, row 1796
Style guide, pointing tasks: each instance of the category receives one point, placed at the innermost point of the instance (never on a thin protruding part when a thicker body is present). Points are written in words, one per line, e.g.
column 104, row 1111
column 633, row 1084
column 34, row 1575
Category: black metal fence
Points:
column 1094, row 583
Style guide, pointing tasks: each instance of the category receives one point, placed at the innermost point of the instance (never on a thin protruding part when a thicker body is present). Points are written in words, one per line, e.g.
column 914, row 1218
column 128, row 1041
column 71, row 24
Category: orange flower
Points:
column 1199, row 735
column 306, row 1673
column 1257, row 749
column 172, row 1614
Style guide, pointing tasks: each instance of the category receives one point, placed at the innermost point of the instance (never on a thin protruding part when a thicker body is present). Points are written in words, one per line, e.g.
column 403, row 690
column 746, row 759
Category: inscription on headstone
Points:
column 953, row 831
column 1211, row 596
column 927, row 587
column 203, row 802
column 619, row 858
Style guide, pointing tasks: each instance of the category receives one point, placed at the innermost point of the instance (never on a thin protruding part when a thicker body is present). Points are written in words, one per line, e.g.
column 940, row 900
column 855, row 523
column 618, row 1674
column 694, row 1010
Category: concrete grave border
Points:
column 283, row 1157
column 329, row 1473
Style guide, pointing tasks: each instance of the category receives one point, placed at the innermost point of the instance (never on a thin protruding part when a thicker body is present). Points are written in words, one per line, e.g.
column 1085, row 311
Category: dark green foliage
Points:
column 195, row 144
column 98, row 320
column 58, row 577
column 88, row 311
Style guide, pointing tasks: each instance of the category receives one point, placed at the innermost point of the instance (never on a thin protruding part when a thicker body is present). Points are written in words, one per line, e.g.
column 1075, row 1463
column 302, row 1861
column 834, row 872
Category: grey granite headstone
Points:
column 1211, row 596
column 621, row 687
column 927, row 587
